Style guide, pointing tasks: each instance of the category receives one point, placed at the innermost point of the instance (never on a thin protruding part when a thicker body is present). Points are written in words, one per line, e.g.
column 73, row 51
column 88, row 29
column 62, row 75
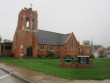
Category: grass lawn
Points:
column 100, row 71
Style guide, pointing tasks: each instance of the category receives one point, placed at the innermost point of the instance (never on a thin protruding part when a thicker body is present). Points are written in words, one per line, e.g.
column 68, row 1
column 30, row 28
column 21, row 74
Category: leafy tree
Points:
column 0, row 38
column 7, row 40
column 86, row 42
column 97, row 46
column 108, row 47
column 91, row 56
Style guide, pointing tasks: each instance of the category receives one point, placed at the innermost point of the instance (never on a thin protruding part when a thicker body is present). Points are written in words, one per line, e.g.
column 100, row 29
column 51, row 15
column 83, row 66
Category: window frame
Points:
column 87, row 50
column 51, row 48
column 7, row 46
column 42, row 47
column 72, row 45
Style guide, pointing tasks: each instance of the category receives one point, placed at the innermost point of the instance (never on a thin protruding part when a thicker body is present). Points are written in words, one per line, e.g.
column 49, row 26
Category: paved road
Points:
column 7, row 78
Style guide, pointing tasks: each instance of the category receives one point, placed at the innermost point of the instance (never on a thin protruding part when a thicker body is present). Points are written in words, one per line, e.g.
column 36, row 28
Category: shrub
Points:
column 50, row 54
column 57, row 55
column 92, row 56
column 41, row 56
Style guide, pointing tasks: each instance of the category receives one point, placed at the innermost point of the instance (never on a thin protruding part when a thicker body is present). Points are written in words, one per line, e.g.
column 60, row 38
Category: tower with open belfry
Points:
column 25, row 41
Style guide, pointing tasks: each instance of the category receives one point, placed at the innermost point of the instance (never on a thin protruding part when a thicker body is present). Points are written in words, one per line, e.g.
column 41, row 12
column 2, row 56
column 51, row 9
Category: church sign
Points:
column 83, row 59
column 76, row 62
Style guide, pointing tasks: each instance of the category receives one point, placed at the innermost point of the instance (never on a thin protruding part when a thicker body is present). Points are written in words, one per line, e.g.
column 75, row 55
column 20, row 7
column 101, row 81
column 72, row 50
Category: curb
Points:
column 13, row 73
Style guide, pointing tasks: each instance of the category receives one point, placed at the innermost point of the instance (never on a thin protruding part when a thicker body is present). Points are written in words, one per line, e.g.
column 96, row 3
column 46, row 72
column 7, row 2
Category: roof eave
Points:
column 68, row 38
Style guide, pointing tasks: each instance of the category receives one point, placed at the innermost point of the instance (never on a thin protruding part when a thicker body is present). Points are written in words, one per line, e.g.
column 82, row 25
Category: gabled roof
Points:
column 51, row 38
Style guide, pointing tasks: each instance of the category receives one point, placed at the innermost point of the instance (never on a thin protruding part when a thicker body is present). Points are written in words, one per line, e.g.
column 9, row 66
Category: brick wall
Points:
column 24, row 36
column 75, row 49
column 62, row 50
column 85, row 50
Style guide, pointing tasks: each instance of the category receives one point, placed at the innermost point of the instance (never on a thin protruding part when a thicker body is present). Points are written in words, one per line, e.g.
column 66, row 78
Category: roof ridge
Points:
column 54, row 32
column 51, row 38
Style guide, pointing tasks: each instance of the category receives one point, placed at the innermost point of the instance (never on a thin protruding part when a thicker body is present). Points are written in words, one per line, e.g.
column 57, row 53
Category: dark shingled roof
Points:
column 51, row 38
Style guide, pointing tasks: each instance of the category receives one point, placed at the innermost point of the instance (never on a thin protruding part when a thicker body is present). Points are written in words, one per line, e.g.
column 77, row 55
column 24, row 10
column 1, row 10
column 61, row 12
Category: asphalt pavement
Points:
column 8, row 78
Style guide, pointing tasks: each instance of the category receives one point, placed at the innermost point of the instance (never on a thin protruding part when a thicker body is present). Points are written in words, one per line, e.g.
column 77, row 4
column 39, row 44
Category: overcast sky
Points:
column 87, row 19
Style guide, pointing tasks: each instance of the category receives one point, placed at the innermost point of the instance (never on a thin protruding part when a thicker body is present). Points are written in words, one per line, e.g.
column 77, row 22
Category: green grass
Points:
column 100, row 70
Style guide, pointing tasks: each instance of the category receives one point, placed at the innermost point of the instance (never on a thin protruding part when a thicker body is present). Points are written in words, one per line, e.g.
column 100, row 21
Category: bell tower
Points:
column 25, row 41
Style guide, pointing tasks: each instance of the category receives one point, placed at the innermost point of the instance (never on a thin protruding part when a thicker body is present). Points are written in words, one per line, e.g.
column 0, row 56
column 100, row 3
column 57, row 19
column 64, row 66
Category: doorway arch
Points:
column 29, row 51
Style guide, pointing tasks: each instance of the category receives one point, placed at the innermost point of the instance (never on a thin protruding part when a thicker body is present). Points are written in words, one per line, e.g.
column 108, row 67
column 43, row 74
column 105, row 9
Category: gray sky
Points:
column 87, row 19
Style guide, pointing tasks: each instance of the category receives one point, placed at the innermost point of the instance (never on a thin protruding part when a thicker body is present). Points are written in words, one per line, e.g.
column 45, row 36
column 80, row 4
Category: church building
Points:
column 29, row 41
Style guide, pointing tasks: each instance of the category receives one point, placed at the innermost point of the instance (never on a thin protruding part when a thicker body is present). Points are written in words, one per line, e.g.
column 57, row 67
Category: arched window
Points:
column 33, row 24
column 27, row 22
column 72, row 44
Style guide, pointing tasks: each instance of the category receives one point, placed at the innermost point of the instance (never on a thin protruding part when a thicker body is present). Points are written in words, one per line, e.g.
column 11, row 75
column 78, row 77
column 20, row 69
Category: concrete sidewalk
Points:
column 38, row 77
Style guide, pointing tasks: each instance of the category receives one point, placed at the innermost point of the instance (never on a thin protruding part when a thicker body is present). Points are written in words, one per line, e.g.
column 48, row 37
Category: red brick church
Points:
column 29, row 41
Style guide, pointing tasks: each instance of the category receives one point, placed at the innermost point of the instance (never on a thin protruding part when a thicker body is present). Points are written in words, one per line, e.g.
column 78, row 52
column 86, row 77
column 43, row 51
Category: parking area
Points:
column 8, row 78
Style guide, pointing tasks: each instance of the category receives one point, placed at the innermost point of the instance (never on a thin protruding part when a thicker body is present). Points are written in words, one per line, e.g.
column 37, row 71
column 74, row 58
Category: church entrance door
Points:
column 29, row 51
